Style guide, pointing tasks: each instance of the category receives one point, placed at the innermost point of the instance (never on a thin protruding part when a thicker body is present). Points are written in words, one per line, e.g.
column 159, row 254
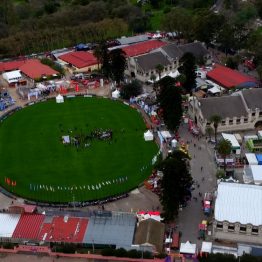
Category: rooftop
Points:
column 239, row 203
column 79, row 59
column 151, row 232
column 142, row 48
column 225, row 106
column 230, row 78
column 35, row 69
column 132, row 39
column 12, row 65
column 253, row 98
column 150, row 61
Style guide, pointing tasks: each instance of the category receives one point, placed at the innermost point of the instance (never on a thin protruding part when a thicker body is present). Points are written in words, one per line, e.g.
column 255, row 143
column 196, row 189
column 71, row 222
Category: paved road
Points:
column 192, row 215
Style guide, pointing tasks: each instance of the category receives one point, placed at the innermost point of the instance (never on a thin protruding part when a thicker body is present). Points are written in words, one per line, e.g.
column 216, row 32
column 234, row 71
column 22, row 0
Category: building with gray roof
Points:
column 116, row 229
column 132, row 39
column 240, row 111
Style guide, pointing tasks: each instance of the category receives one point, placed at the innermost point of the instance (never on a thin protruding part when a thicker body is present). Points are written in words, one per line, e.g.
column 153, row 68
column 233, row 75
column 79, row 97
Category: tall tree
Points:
column 118, row 64
column 209, row 131
column 188, row 69
column 170, row 100
column 224, row 148
column 175, row 184
column 215, row 119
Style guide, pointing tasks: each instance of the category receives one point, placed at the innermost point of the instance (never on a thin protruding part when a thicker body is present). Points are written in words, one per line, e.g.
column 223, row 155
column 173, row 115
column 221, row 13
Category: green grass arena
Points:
column 42, row 168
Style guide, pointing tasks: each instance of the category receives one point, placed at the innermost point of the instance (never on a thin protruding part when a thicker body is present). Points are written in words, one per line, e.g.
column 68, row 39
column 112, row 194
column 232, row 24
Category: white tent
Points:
column 59, row 99
column 174, row 143
column 148, row 136
column 165, row 134
column 251, row 159
column 257, row 174
column 13, row 76
column 206, row 247
column 116, row 94
column 187, row 248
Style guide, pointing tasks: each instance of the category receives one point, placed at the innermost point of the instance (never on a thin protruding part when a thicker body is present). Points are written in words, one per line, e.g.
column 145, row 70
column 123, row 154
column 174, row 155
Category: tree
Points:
column 232, row 63
column 105, row 60
column 215, row 119
column 118, row 64
column 188, row 69
column 170, row 101
column 131, row 89
column 175, row 184
column 224, row 148
column 159, row 69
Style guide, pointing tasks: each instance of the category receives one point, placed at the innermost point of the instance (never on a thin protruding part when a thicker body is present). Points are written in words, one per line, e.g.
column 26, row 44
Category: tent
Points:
column 257, row 174
column 13, row 76
column 251, row 159
column 206, row 247
column 59, row 99
column 188, row 248
column 174, row 74
column 174, row 143
column 116, row 94
column 234, row 143
column 148, row 136
column 259, row 158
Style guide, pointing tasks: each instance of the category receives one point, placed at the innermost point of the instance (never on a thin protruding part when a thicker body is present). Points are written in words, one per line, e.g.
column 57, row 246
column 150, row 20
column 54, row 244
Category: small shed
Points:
column 59, row 99
column 21, row 208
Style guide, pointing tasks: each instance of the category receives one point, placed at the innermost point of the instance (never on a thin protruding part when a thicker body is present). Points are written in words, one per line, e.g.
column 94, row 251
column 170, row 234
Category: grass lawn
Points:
column 33, row 155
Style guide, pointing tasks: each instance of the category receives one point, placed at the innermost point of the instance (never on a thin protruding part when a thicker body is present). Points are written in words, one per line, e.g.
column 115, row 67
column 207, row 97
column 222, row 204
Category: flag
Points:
column 5, row 180
column 88, row 187
column 8, row 181
column 30, row 187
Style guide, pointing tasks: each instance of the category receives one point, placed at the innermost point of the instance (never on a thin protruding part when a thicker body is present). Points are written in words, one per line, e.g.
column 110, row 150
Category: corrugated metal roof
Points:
column 8, row 223
column 117, row 229
column 132, row 39
column 239, row 203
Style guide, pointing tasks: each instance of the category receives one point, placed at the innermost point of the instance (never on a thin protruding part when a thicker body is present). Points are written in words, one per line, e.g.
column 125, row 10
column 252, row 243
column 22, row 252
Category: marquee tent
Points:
column 116, row 94
column 13, row 76
column 148, row 136
column 206, row 247
column 59, row 99
column 232, row 139
column 251, row 159
column 187, row 248
column 174, row 143
column 257, row 174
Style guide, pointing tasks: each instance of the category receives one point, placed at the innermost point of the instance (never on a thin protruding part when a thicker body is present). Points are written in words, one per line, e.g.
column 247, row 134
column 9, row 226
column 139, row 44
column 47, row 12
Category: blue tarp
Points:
column 2, row 106
column 259, row 159
column 82, row 47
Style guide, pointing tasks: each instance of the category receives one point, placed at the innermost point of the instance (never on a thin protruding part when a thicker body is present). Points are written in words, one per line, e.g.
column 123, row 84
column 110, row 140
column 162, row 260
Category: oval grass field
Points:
column 35, row 164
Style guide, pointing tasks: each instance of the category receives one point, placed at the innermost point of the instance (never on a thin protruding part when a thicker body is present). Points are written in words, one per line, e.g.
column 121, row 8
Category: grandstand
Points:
column 89, row 228
column 28, row 226
column 64, row 229
column 8, row 223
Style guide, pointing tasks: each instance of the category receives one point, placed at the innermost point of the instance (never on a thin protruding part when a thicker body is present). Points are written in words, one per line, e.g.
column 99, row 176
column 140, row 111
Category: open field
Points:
column 33, row 157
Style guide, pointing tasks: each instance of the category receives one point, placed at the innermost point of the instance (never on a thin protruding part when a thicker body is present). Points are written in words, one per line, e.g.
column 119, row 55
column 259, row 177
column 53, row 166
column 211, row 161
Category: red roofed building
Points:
column 80, row 61
column 12, row 65
column 34, row 69
column 142, row 48
column 230, row 78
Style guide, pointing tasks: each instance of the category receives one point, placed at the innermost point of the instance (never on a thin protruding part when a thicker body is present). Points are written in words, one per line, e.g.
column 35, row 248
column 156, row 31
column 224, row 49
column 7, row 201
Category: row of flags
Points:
column 10, row 182
column 36, row 187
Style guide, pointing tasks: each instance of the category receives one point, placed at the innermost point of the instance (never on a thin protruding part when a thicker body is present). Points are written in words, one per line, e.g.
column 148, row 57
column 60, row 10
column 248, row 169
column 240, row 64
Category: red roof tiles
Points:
column 142, row 48
column 35, row 69
column 229, row 78
column 11, row 65
column 79, row 59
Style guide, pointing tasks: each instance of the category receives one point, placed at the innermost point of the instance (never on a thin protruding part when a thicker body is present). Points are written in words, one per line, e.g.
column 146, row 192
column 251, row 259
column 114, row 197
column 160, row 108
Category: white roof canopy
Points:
column 8, row 224
column 257, row 174
column 232, row 140
column 251, row 159
column 239, row 203
column 12, row 76
column 148, row 136
column 206, row 247
column 187, row 248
